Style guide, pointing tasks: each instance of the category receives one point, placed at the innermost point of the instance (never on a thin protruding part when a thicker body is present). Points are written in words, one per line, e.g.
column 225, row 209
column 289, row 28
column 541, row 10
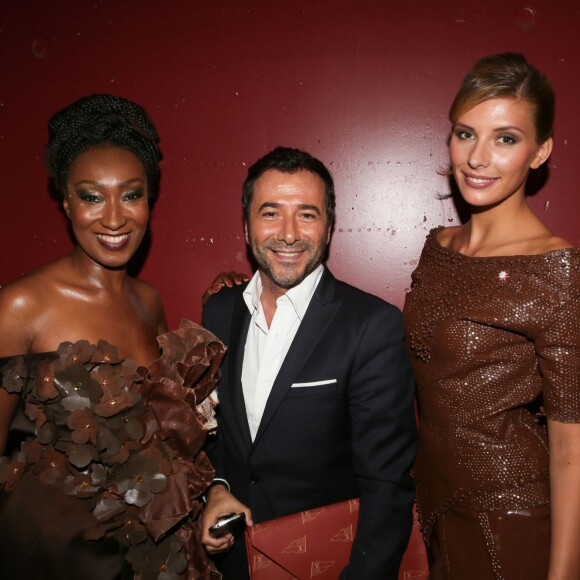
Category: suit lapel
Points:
column 239, row 332
column 320, row 312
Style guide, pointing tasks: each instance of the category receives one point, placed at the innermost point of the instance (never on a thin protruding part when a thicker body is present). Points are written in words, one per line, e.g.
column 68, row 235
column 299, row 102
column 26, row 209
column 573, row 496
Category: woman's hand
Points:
column 228, row 279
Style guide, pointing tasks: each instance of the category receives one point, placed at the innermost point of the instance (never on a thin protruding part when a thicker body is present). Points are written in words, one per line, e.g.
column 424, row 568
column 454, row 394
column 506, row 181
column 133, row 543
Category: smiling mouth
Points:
column 477, row 181
column 288, row 255
column 481, row 179
column 112, row 242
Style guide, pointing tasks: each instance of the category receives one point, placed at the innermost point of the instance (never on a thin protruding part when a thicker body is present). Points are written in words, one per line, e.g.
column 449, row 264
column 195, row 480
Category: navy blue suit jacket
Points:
column 321, row 444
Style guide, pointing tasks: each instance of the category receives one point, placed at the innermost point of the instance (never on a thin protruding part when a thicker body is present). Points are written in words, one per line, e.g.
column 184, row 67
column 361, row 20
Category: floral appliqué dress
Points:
column 108, row 479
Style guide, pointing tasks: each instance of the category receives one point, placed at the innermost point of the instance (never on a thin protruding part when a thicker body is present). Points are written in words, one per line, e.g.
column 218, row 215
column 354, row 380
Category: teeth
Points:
column 112, row 239
column 479, row 180
column 288, row 255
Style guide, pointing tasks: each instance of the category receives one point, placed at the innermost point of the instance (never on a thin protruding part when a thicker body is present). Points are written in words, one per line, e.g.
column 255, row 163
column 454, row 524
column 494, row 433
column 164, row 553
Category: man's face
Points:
column 288, row 229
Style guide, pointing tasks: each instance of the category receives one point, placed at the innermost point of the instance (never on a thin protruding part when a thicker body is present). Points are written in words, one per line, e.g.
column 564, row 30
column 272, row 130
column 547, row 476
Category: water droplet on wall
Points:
column 40, row 48
column 526, row 18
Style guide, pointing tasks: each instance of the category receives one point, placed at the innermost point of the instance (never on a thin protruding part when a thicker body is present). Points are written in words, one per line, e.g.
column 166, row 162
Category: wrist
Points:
column 216, row 487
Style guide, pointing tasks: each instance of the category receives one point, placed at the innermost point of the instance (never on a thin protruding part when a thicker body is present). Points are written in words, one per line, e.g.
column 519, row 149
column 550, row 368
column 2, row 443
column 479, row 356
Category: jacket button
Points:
column 254, row 478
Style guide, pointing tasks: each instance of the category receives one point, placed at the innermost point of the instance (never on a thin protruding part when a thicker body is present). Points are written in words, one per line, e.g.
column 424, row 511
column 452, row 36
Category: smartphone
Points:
column 229, row 524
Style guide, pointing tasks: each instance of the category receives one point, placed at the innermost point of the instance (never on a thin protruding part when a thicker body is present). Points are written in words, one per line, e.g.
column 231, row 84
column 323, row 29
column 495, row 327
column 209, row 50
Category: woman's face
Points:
column 492, row 148
column 106, row 202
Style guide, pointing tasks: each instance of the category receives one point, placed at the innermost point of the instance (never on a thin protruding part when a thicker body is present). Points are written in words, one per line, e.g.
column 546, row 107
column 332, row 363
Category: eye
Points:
column 463, row 134
column 89, row 197
column 268, row 214
column 507, row 139
column 133, row 195
column 308, row 215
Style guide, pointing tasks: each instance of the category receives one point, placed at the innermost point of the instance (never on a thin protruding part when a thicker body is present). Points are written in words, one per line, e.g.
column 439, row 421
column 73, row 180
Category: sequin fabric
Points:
column 495, row 345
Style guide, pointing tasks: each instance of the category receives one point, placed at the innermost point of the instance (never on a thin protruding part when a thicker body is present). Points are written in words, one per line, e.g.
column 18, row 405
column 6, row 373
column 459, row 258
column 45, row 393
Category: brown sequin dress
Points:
column 495, row 345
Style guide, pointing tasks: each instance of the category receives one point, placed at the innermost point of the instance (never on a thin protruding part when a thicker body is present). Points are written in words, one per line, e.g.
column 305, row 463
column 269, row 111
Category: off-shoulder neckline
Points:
column 51, row 355
column 531, row 257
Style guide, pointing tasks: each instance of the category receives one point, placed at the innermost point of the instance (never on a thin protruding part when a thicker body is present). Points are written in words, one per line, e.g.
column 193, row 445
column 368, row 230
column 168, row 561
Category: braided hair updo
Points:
column 99, row 119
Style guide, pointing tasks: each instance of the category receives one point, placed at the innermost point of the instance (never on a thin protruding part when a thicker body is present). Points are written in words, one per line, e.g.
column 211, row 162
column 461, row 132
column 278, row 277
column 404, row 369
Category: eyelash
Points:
column 462, row 134
column 509, row 139
column 89, row 197
column 133, row 195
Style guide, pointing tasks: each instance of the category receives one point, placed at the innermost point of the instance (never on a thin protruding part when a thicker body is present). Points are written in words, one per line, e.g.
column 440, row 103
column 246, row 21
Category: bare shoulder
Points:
column 543, row 243
column 446, row 236
column 554, row 243
column 146, row 291
column 533, row 236
column 22, row 303
column 25, row 293
column 150, row 299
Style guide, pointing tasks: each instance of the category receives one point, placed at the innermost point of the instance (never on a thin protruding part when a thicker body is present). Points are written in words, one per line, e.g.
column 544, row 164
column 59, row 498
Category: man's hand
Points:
column 219, row 503
column 228, row 279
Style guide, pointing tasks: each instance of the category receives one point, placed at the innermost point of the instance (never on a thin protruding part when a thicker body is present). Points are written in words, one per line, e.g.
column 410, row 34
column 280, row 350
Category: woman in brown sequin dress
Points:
column 494, row 334
column 108, row 480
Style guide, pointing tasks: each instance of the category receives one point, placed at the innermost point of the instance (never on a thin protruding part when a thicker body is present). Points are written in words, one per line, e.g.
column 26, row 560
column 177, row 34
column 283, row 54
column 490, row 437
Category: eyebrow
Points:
column 496, row 130
column 300, row 206
column 99, row 184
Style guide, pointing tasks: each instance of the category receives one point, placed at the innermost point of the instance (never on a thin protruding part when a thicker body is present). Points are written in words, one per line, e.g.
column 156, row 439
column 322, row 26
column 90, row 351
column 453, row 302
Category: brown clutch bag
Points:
column 311, row 544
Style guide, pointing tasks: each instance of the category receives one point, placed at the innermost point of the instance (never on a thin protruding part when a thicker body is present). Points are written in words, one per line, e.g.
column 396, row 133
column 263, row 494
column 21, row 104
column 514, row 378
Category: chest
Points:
column 123, row 322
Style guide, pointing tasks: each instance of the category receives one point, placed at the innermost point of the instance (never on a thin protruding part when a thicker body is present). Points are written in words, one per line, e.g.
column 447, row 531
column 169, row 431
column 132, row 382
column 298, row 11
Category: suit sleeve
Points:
column 381, row 399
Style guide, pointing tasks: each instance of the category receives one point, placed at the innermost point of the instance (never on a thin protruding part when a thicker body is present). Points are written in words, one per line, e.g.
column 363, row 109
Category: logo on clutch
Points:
column 317, row 568
column 296, row 547
column 259, row 528
column 344, row 535
column 260, row 561
column 309, row 515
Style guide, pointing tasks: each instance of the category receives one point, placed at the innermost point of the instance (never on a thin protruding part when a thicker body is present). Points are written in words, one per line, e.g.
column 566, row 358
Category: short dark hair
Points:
column 507, row 76
column 288, row 160
column 96, row 120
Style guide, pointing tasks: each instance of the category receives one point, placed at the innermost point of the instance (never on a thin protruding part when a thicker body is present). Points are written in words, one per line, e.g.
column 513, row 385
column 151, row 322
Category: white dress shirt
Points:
column 265, row 347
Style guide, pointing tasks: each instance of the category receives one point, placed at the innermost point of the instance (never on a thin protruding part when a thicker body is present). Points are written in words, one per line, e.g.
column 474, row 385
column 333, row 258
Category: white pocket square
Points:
column 314, row 384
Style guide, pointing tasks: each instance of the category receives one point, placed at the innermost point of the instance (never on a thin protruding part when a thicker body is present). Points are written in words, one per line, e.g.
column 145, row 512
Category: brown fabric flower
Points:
column 45, row 387
column 11, row 470
column 128, row 441
column 105, row 353
column 71, row 354
column 83, row 426
column 14, row 375
column 35, row 413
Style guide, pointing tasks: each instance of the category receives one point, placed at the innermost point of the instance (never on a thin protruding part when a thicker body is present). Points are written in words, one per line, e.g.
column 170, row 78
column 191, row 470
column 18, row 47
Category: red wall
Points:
column 363, row 84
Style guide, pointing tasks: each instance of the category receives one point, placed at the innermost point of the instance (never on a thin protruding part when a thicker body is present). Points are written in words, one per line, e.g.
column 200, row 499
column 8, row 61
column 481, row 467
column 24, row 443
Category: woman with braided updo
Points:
column 103, row 155
column 108, row 476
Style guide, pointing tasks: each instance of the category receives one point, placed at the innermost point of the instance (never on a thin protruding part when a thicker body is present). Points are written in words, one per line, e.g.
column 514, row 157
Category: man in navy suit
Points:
column 316, row 394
